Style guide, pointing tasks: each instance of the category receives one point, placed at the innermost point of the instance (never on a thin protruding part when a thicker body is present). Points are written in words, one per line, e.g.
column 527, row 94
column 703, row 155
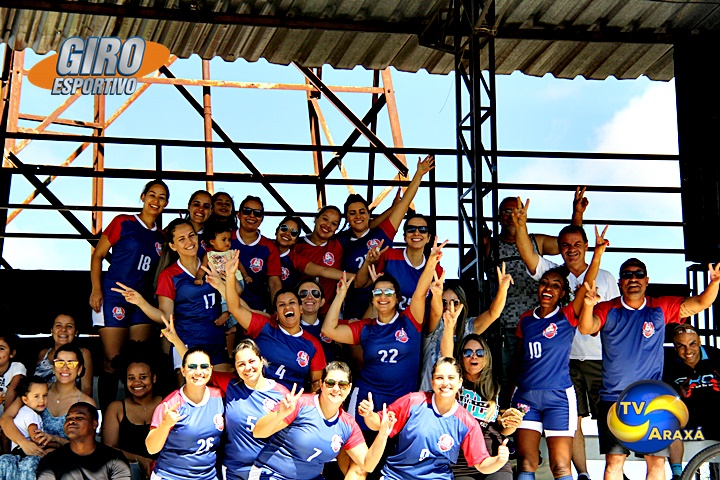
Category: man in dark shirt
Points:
column 83, row 458
column 693, row 370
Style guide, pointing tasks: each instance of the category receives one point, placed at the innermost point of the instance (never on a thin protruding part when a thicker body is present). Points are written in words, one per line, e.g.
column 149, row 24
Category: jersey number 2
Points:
column 205, row 445
column 388, row 356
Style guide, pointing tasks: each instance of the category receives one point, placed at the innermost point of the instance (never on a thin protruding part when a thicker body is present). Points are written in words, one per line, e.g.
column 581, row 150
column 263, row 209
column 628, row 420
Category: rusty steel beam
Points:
column 351, row 117
column 13, row 104
column 207, row 125
column 314, row 120
column 373, row 128
column 329, row 138
column 58, row 121
column 192, row 82
column 48, row 120
column 394, row 129
column 98, row 163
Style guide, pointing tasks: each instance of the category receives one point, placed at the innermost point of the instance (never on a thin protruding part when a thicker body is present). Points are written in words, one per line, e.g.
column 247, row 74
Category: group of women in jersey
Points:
column 348, row 355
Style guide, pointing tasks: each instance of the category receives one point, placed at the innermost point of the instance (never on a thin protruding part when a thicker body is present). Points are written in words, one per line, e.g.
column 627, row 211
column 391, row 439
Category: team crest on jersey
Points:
column 118, row 313
column 648, row 329
column 285, row 273
column 303, row 358
column 219, row 422
column 325, row 339
column 445, row 442
column 269, row 404
column 550, row 331
column 329, row 258
column 336, row 443
column 401, row 336
column 158, row 248
column 256, row 264
column 372, row 243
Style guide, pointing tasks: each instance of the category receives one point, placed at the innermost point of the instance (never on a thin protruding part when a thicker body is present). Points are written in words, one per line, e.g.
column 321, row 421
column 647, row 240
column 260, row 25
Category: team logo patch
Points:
column 158, row 248
column 269, row 404
column 648, row 329
column 329, row 258
column 550, row 331
column 372, row 243
column 303, row 359
column 256, row 264
column 118, row 313
column 219, row 422
column 336, row 443
column 325, row 339
column 445, row 442
column 285, row 273
column 401, row 336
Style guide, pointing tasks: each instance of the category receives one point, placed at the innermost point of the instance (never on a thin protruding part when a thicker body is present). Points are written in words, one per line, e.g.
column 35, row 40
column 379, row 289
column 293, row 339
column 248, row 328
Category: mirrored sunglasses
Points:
column 285, row 229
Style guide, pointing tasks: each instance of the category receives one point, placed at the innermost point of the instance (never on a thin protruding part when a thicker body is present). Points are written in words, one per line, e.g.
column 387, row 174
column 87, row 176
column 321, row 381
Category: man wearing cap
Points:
column 694, row 371
column 632, row 328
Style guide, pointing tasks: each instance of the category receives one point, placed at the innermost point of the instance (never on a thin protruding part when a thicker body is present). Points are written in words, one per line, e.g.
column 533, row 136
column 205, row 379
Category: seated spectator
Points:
column 126, row 422
column 64, row 331
column 692, row 369
column 83, row 457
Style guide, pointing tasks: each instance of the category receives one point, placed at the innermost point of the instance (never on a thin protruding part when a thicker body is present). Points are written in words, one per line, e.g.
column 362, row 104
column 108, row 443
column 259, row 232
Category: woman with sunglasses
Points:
column 248, row 396
column 311, row 301
column 391, row 342
column 321, row 248
column 294, row 356
column 68, row 365
column 295, row 266
column 307, row 431
column 258, row 254
column 432, row 428
column 186, row 427
column 479, row 393
column 545, row 393
column 406, row 265
column 364, row 234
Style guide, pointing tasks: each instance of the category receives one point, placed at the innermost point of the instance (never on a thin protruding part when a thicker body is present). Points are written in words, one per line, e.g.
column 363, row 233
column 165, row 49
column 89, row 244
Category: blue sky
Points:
column 533, row 114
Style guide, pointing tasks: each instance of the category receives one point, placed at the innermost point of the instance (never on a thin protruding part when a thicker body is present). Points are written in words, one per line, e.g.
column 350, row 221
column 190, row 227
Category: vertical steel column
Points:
column 98, row 162
column 373, row 128
column 207, row 122
column 7, row 85
column 321, row 195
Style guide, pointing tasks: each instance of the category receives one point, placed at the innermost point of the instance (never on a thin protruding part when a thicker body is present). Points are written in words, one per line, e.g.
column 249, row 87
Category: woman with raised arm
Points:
column 432, row 428
column 136, row 243
column 545, row 393
column 186, row 427
column 362, row 234
column 309, row 431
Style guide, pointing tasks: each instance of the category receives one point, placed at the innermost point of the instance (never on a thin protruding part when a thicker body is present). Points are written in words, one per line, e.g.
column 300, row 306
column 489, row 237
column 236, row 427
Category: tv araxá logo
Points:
column 98, row 66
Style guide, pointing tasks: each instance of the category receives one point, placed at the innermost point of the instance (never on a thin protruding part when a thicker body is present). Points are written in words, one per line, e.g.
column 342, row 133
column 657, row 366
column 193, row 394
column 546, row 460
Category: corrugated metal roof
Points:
column 535, row 36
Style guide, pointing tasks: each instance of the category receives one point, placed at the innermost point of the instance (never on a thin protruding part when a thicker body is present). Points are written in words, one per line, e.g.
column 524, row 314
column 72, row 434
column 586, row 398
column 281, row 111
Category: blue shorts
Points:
column 552, row 411
column 117, row 312
column 263, row 473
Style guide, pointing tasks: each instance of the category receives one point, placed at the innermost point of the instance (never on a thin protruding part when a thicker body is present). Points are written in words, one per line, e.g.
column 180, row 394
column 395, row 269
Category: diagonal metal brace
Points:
column 353, row 137
column 352, row 118
column 241, row 156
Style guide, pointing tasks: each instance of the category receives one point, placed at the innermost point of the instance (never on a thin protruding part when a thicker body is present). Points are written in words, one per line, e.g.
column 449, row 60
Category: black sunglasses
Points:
column 414, row 228
column 628, row 274
column 304, row 293
column 255, row 211
column 455, row 302
column 468, row 352
column 285, row 228
column 195, row 366
column 330, row 383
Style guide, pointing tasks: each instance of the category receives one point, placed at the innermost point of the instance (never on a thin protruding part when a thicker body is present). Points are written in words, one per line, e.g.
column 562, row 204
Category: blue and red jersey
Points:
column 328, row 254
column 632, row 341
column 429, row 443
column 391, row 354
column 546, row 344
column 243, row 407
column 261, row 260
column 136, row 252
column 190, row 450
column 330, row 348
column 290, row 357
column 301, row 450
column 396, row 263
column 196, row 306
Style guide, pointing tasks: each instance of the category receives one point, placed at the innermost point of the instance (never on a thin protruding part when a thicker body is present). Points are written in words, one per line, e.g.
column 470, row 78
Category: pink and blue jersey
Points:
column 429, row 443
column 396, row 263
column 632, row 341
column 261, row 260
column 190, row 450
column 136, row 251
column 301, row 450
column 354, row 252
column 290, row 358
column 328, row 254
column 196, row 306
column 546, row 344
column 243, row 406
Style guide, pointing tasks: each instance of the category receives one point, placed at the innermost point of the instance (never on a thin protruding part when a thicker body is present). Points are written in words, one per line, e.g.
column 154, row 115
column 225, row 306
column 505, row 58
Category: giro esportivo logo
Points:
column 648, row 416
column 98, row 66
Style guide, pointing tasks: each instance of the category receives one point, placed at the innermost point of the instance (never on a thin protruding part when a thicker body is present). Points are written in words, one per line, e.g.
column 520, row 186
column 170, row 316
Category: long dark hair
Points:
column 169, row 256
